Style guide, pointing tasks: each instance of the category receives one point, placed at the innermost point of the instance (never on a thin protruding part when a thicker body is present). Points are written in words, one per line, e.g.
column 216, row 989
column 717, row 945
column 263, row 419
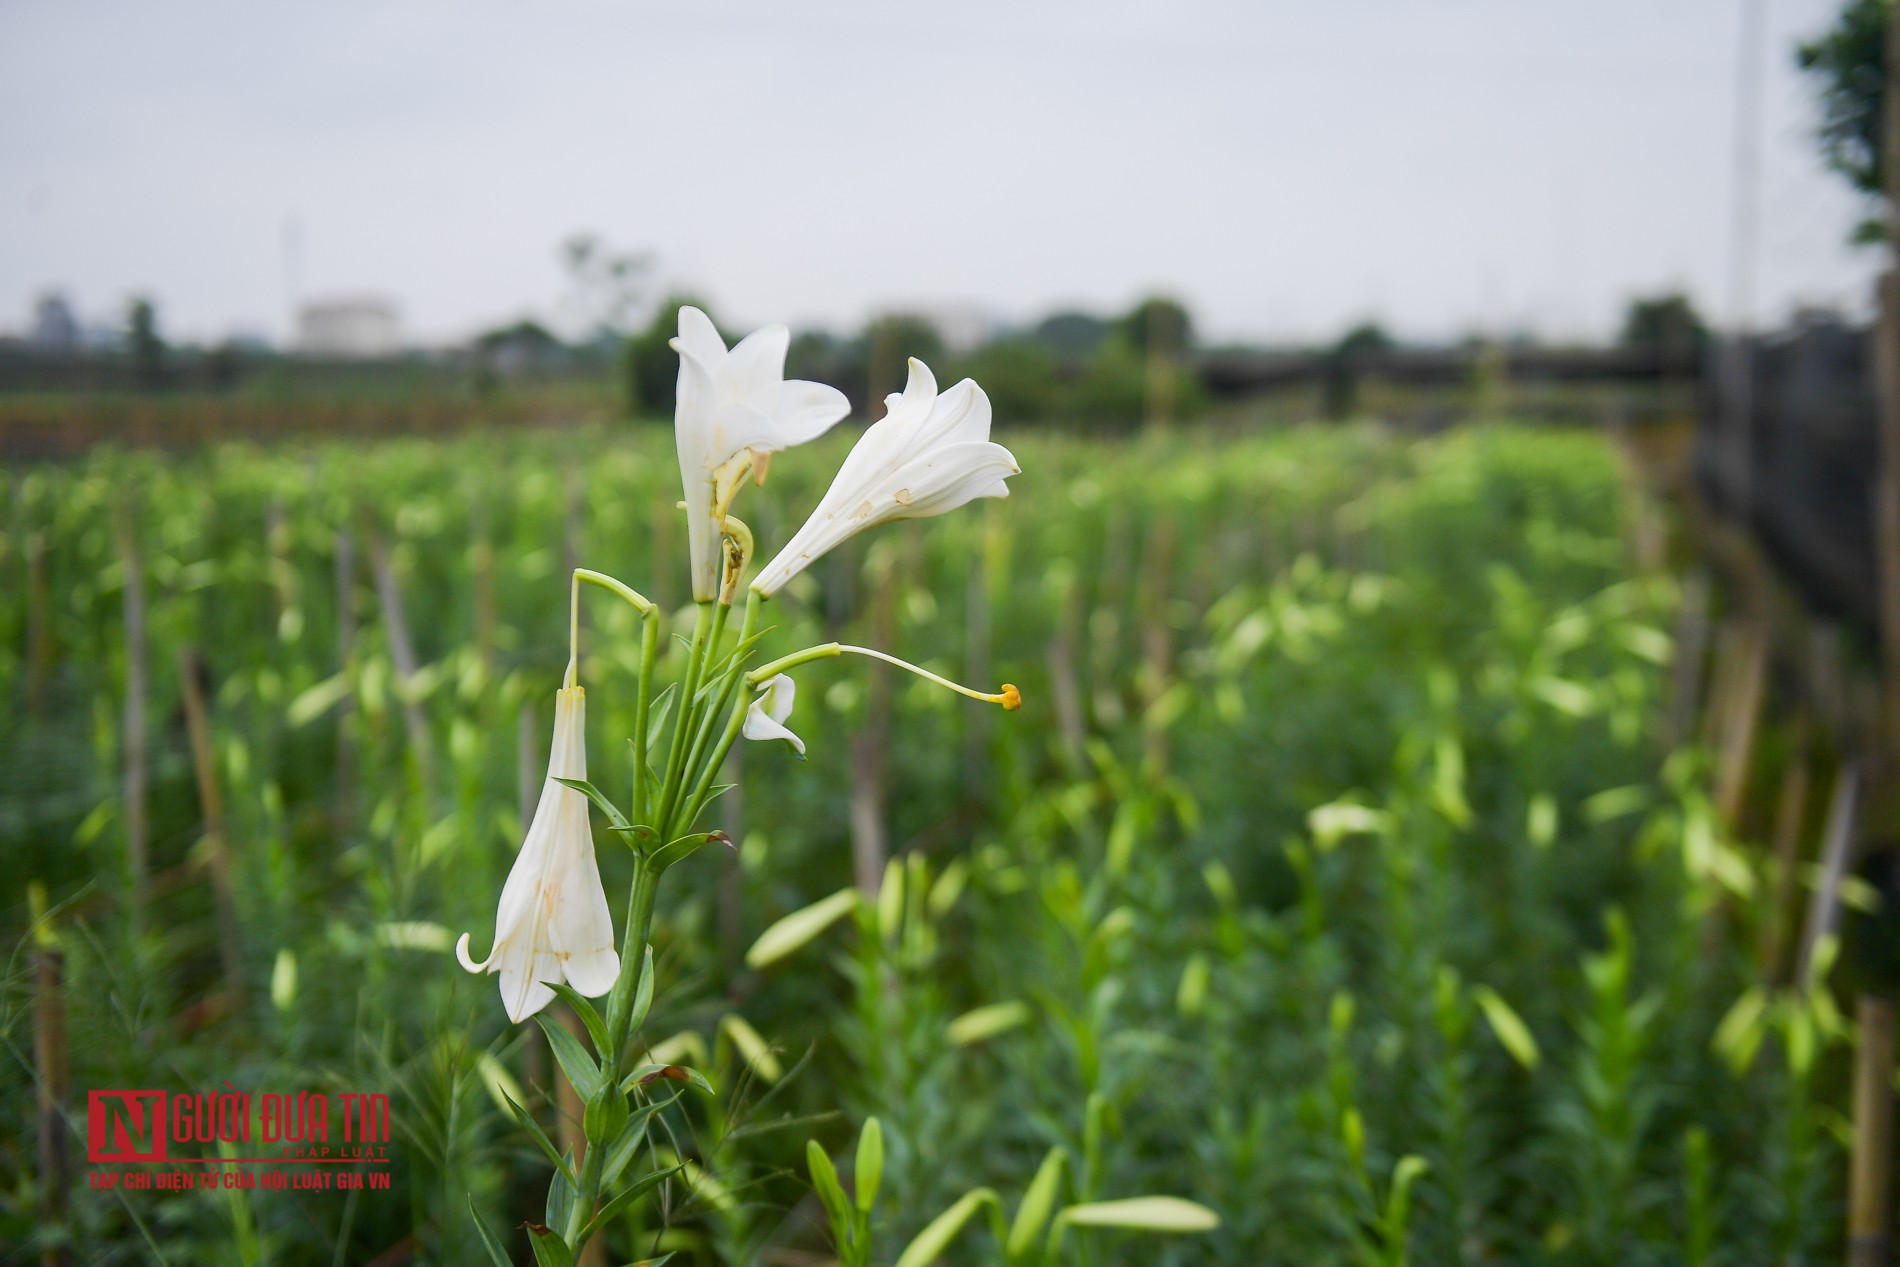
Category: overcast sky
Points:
column 1283, row 168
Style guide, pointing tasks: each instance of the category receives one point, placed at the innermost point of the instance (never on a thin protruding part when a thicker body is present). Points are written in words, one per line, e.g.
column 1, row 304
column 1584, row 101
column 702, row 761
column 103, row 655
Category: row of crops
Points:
column 1333, row 876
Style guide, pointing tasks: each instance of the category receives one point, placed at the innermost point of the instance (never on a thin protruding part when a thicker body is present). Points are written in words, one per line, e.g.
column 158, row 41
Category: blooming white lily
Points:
column 765, row 719
column 552, row 923
column 734, row 403
column 927, row 455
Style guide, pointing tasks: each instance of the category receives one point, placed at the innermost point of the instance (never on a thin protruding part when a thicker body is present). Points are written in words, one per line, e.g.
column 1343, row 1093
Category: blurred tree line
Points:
column 1098, row 373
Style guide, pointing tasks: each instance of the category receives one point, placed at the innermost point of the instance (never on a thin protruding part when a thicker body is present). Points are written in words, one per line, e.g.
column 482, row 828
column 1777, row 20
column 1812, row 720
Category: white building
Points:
column 349, row 326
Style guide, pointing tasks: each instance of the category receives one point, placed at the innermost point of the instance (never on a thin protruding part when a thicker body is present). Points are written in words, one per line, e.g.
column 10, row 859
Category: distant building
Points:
column 361, row 326
column 54, row 326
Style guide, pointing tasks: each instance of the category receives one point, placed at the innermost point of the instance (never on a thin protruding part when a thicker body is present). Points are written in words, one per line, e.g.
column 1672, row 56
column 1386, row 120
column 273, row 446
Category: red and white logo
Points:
column 125, row 1126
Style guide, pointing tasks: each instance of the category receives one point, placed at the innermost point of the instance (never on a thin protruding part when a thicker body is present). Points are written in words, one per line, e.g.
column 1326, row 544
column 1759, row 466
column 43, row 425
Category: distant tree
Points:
column 604, row 285
column 1339, row 383
column 1158, row 323
column 1072, row 336
column 1367, row 336
column 1020, row 376
column 649, row 367
column 223, row 365
column 1849, row 65
column 1668, row 323
column 144, row 345
column 1112, row 394
column 889, row 343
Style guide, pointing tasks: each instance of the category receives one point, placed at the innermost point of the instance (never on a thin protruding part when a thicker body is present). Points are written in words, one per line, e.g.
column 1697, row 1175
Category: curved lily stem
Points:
column 634, row 598
column 1009, row 697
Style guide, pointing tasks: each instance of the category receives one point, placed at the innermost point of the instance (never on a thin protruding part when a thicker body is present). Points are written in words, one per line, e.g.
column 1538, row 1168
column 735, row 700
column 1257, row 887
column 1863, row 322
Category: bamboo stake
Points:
column 1738, row 735
column 1791, row 813
column 978, row 645
column 731, row 877
column 870, row 832
column 50, row 1081
column 1160, row 365
column 1871, row 1175
column 282, row 574
column 39, row 640
column 403, row 652
column 191, row 681
column 1692, row 648
column 1157, row 640
column 573, row 517
column 661, row 570
column 1064, row 685
column 1824, row 908
column 1887, row 366
column 482, row 564
column 137, row 828
column 345, row 657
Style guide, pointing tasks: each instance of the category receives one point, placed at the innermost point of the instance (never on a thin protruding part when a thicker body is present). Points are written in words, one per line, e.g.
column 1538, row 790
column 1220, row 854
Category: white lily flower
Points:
column 927, row 455
column 552, row 923
column 765, row 719
column 733, row 403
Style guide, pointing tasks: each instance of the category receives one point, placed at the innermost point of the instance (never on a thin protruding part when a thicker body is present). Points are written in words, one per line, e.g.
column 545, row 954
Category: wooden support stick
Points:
column 1738, row 728
column 1791, row 816
column 731, row 876
column 1824, row 908
column 1870, row 1179
column 403, row 652
column 870, row 832
column 1157, row 639
column 191, row 682
column 132, row 728
column 39, row 639
column 1065, row 684
column 977, row 637
column 482, row 564
column 50, row 1070
column 1692, row 648
column 345, row 661
column 1887, row 368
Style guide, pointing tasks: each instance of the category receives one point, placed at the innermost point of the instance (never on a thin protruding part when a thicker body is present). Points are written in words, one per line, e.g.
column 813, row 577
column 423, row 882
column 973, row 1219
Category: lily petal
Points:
column 765, row 719
column 930, row 454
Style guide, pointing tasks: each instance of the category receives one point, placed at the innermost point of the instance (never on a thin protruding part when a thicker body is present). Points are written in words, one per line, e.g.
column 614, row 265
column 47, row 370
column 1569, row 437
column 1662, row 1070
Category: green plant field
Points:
column 1333, row 875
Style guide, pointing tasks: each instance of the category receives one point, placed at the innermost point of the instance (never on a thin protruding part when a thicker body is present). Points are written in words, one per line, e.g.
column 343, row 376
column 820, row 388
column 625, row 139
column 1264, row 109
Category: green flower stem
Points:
column 703, row 789
column 633, row 946
column 823, row 651
column 634, row 598
column 649, row 648
column 646, row 881
column 723, row 699
column 683, row 711
column 643, row 707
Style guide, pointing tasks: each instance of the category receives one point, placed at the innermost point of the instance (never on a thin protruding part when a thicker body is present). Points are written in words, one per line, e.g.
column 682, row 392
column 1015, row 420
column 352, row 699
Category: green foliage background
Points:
column 1335, row 830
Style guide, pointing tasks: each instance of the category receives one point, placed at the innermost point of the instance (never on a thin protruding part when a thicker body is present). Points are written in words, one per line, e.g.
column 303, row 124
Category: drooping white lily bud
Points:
column 765, row 719
column 927, row 455
column 552, row 923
